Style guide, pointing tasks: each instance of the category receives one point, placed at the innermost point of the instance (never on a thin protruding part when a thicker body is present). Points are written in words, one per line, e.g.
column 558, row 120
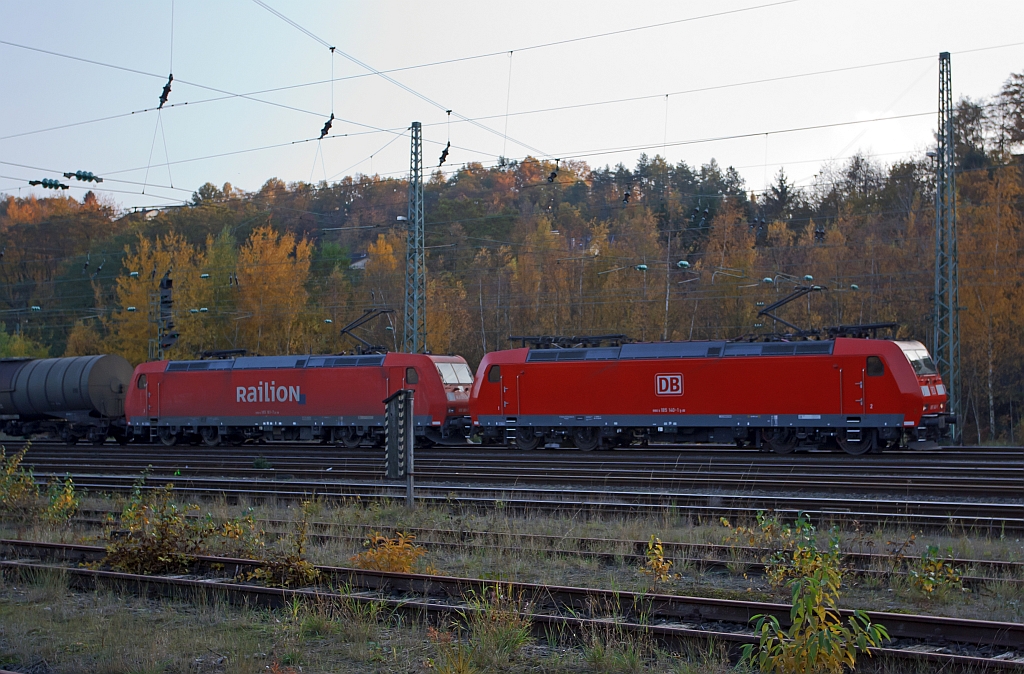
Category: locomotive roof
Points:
column 683, row 350
column 276, row 362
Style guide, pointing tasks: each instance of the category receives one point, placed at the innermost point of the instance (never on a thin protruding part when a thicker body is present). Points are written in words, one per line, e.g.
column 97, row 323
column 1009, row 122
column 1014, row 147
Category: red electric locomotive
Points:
column 862, row 394
column 327, row 398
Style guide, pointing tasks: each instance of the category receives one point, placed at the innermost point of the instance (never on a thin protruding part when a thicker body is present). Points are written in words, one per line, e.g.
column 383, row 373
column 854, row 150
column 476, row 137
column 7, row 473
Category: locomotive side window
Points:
column 411, row 376
column 876, row 368
column 141, row 383
column 494, row 374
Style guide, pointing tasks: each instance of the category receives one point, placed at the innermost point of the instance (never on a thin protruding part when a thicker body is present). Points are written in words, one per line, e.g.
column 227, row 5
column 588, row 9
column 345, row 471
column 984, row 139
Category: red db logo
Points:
column 668, row 384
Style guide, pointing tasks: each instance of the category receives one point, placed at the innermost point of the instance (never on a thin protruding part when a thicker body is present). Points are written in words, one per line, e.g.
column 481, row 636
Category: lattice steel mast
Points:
column 946, row 345
column 414, row 338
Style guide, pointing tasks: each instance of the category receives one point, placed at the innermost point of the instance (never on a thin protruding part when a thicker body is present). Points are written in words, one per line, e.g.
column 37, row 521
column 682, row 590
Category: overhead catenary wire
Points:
column 400, row 85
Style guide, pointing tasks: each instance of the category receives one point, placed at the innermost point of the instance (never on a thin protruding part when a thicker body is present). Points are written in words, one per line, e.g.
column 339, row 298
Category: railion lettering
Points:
column 269, row 392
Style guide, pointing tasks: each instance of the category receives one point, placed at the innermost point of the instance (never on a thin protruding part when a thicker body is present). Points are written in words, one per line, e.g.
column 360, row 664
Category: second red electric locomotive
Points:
column 329, row 398
column 862, row 394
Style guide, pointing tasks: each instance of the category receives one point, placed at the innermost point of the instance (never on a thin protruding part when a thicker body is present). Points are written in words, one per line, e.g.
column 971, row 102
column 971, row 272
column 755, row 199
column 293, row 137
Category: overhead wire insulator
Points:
column 327, row 127
column 626, row 197
column 84, row 176
column 444, row 154
column 166, row 92
column 49, row 184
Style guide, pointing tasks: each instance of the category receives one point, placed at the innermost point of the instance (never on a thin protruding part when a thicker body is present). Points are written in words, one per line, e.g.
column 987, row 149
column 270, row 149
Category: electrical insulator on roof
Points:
column 444, row 154
column 166, row 92
column 327, row 127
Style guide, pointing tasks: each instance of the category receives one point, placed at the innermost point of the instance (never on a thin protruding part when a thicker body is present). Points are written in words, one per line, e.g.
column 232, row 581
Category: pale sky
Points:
column 239, row 47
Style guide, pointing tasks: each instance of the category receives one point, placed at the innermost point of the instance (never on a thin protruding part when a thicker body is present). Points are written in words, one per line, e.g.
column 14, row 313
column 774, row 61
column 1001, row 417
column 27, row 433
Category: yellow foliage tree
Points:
column 272, row 272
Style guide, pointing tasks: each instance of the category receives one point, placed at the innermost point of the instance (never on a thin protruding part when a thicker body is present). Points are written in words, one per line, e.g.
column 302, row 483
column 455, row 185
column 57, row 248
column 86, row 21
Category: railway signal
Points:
column 399, row 429
column 167, row 335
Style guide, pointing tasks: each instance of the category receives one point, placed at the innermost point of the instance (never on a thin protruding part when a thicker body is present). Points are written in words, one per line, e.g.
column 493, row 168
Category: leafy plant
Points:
column 656, row 566
column 244, row 537
column 934, row 575
column 770, row 531
column 18, row 490
column 61, row 502
column 261, row 463
column 397, row 554
column 817, row 639
column 162, row 537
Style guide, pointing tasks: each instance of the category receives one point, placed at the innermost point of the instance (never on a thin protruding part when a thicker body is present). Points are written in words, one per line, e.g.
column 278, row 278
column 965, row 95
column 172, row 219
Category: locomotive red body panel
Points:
column 724, row 390
column 297, row 397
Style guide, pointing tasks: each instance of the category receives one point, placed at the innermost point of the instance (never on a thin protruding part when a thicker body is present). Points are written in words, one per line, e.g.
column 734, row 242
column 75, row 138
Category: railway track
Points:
column 991, row 517
column 567, row 611
column 695, row 484
column 987, row 473
column 704, row 556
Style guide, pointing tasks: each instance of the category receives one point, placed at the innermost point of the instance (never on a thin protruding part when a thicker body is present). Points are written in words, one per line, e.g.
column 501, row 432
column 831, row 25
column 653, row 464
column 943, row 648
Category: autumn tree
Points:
column 273, row 269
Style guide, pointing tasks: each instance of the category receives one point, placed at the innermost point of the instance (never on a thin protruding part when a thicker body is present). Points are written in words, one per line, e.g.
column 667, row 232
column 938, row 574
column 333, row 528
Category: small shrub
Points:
column 261, row 463
column 817, row 640
column 933, row 575
column 770, row 532
column 61, row 502
column 656, row 566
column 18, row 491
column 161, row 537
column 244, row 537
column 397, row 555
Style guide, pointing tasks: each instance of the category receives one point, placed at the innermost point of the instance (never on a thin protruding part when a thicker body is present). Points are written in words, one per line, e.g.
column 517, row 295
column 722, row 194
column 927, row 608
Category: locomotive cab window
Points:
column 411, row 376
column 494, row 374
column 876, row 368
column 141, row 381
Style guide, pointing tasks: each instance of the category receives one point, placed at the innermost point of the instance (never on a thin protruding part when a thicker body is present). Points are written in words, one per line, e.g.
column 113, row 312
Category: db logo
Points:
column 668, row 384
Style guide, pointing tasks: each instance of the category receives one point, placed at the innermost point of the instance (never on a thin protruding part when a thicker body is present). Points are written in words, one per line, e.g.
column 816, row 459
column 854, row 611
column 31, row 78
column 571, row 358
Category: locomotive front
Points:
column 935, row 419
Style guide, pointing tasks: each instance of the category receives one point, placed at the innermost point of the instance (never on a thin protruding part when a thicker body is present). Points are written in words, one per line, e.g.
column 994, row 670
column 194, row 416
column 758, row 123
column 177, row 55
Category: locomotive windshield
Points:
column 454, row 374
column 918, row 357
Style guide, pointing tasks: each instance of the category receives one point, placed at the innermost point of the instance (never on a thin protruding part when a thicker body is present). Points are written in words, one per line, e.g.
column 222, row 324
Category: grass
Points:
column 45, row 626
column 104, row 632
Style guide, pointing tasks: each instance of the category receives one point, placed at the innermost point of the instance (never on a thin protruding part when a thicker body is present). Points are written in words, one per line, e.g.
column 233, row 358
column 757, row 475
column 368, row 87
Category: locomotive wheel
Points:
column 586, row 438
column 167, row 438
column 868, row 439
column 210, row 436
column 780, row 440
column 71, row 439
column 348, row 436
column 526, row 439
